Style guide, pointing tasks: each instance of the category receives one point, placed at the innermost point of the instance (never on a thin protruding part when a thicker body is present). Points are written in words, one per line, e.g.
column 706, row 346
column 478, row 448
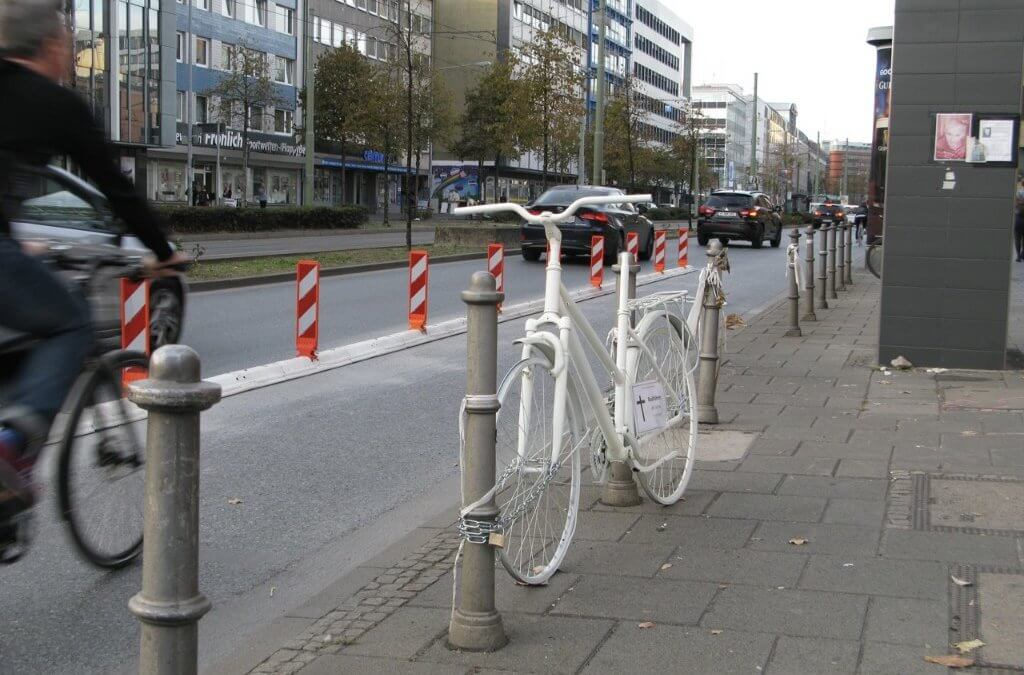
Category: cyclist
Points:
column 40, row 120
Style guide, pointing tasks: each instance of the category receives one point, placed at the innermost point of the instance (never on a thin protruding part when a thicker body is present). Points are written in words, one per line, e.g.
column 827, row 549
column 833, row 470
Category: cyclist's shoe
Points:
column 16, row 496
column 16, row 530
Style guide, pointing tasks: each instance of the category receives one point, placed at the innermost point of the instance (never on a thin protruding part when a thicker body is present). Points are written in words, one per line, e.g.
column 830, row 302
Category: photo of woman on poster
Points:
column 951, row 132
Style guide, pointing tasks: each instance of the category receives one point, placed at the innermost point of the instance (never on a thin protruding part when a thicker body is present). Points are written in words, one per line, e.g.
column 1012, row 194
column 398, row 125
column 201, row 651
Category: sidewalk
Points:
column 874, row 519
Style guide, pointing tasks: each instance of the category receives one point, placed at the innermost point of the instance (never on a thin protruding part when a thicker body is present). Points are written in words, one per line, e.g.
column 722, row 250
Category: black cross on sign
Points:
column 640, row 400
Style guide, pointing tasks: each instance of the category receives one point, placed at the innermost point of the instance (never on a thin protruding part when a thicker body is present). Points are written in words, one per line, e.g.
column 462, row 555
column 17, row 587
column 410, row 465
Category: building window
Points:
column 371, row 6
column 179, row 55
column 339, row 35
column 361, row 4
column 227, row 56
column 351, row 3
column 202, row 4
column 261, row 13
column 287, row 20
column 371, row 47
column 201, row 55
column 283, row 121
column 181, row 107
column 202, row 110
column 256, row 113
column 325, row 31
column 284, row 70
column 361, row 43
column 230, row 8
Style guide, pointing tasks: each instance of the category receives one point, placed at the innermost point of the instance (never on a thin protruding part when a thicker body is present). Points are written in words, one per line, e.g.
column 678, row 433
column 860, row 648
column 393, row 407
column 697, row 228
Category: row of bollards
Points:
column 834, row 271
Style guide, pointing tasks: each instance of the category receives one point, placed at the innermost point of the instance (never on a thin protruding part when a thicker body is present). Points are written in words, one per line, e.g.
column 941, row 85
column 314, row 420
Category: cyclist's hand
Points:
column 35, row 248
column 155, row 268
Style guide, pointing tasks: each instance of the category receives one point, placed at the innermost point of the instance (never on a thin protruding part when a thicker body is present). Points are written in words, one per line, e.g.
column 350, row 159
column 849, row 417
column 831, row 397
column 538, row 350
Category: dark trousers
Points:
column 34, row 301
column 1018, row 236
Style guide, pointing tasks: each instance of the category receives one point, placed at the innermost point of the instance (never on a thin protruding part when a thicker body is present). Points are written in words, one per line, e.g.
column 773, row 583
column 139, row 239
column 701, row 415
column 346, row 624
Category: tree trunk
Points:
column 497, row 182
column 387, row 180
column 344, row 142
column 480, row 180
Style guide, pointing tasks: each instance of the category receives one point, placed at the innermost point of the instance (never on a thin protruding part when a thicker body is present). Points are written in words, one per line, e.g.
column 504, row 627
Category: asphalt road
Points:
column 330, row 469
column 219, row 249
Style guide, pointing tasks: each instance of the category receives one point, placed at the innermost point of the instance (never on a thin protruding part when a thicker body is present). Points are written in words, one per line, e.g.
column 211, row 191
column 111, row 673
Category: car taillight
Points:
column 748, row 213
column 706, row 211
column 817, row 214
column 534, row 212
column 840, row 214
column 594, row 216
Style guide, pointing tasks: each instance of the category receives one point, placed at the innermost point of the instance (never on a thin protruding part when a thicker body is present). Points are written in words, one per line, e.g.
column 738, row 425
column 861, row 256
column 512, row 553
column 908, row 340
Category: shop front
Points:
column 367, row 181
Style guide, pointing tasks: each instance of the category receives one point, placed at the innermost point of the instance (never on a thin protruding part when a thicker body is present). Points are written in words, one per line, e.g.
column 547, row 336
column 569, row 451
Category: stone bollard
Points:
column 841, row 256
column 170, row 603
column 822, row 288
column 620, row 489
column 707, row 377
column 475, row 623
column 849, row 255
column 831, row 274
column 792, row 264
column 809, row 314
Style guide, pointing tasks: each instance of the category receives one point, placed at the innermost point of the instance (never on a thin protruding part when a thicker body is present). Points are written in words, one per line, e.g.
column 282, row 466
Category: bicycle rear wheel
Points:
column 100, row 475
column 664, row 459
column 538, row 496
column 873, row 259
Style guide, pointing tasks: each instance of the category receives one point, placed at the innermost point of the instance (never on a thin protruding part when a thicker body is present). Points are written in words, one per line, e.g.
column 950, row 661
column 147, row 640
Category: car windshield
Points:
column 566, row 196
column 728, row 201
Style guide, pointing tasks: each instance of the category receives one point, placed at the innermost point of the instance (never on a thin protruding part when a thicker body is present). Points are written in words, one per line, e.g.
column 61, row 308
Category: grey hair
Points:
column 26, row 24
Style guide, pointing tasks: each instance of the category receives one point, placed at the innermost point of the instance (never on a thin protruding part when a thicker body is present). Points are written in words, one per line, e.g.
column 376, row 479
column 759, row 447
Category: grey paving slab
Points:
column 972, row 440
column 900, row 408
column 603, row 526
column 403, row 634
column 776, row 447
column 909, row 622
column 994, row 505
column 877, row 437
column 739, row 566
column 863, row 468
column 346, row 664
column 875, row 451
column 633, row 558
column 536, row 644
column 1001, row 597
column 788, row 612
column 953, row 547
column 822, row 538
column 768, row 507
column 695, row 531
column 508, row 595
column 877, row 576
column 737, row 481
column 1008, row 456
column 673, row 649
column 794, row 655
column 810, row 434
column 855, row 512
column 880, row 658
column 660, row 600
column 815, row 466
column 693, row 503
column 834, row 487
column 716, row 466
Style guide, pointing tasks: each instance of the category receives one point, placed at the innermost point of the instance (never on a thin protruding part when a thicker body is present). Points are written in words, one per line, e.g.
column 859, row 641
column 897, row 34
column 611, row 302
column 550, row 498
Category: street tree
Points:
column 385, row 130
column 688, row 148
column 627, row 145
column 242, row 96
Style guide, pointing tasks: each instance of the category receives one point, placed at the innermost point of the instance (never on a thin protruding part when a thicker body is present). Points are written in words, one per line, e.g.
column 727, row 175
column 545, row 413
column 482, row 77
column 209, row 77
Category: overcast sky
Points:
column 809, row 52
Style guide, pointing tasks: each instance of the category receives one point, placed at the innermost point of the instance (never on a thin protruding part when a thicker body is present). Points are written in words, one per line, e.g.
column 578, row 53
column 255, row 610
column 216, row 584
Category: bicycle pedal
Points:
column 16, row 535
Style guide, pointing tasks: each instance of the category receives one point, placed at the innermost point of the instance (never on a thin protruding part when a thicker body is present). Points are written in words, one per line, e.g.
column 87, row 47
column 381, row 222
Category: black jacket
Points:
column 40, row 119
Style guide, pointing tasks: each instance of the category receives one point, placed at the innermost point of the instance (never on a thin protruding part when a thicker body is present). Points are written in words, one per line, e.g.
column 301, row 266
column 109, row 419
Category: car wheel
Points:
column 758, row 239
column 777, row 239
column 531, row 254
column 648, row 250
column 702, row 239
column 165, row 316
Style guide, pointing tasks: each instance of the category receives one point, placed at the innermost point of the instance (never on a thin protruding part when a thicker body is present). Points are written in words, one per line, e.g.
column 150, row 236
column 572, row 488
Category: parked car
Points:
column 736, row 214
column 826, row 213
column 59, row 206
column 613, row 221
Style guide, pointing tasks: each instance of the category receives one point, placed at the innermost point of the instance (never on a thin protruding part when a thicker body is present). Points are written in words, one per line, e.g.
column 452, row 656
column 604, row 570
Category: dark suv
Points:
column 612, row 221
column 739, row 215
column 827, row 213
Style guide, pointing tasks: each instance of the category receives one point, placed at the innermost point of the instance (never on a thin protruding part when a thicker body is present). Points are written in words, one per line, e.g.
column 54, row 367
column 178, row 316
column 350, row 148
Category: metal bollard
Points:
column 809, row 278
column 170, row 603
column 832, row 262
column 620, row 489
column 792, row 261
column 841, row 257
column 849, row 255
column 822, row 289
column 476, row 625
column 707, row 377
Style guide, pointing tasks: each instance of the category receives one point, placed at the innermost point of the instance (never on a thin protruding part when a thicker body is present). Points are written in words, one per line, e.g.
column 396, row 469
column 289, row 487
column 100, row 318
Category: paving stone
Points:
column 952, row 547
column 811, row 434
column 633, row 558
column 788, row 611
column 863, row 468
column 875, row 437
column 693, row 503
column 740, row 566
column 822, row 538
column 660, row 600
column 403, row 634
column 815, row 466
column 603, row 526
column 672, row 649
column 335, row 664
column 768, row 507
column 855, row 512
column 834, row 487
column 900, row 408
column 716, row 466
column 508, row 595
column 909, row 622
column 702, row 530
column 738, row 481
column 877, row 576
column 880, row 658
column 813, row 655
column 1001, row 597
column 537, row 644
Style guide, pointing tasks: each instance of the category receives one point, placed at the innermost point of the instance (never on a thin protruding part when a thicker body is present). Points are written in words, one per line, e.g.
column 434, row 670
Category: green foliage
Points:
column 199, row 219
column 492, row 123
column 671, row 213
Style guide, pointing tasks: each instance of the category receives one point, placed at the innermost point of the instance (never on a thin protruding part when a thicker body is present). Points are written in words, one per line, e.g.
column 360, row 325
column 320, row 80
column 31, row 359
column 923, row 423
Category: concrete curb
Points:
column 281, row 234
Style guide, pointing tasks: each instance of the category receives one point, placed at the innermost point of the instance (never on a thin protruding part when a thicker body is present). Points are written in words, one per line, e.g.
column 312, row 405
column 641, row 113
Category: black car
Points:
column 613, row 221
column 736, row 214
column 827, row 213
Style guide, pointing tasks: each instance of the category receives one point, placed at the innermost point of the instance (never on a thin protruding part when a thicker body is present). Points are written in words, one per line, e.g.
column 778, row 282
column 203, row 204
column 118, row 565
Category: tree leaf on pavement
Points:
column 234, row 501
column 662, row 527
column 734, row 321
column 968, row 646
column 716, row 631
column 797, row 541
column 666, row 566
column 960, row 582
column 951, row 661
column 645, row 624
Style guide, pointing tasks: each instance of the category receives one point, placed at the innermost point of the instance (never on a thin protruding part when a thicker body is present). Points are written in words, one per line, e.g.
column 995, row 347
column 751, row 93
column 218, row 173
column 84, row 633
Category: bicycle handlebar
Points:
column 546, row 217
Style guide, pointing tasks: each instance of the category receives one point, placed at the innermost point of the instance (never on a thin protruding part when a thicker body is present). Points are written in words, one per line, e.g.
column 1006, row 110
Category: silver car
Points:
column 58, row 206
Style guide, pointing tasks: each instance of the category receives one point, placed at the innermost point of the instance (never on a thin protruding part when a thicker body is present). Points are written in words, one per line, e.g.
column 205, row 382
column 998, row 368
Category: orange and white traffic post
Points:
column 419, row 273
column 135, row 325
column 659, row 251
column 633, row 245
column 307, row 308
column 684, row 235
column 496, row 266
column 596, row 260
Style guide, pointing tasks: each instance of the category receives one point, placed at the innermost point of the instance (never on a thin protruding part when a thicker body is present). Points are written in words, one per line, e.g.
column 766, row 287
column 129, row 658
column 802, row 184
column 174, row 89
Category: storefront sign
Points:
column 373, row 156
column 206, row 136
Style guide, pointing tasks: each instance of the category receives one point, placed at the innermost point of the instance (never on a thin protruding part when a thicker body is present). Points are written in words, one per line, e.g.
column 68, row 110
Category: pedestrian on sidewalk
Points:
column 1018, row 223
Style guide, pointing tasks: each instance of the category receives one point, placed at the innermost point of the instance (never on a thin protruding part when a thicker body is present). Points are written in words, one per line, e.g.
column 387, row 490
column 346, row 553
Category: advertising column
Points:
column 881, row 39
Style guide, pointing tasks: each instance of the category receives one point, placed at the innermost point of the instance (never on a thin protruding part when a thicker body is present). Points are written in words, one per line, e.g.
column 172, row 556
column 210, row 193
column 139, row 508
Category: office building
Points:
column 725, row 140
column 849, row 164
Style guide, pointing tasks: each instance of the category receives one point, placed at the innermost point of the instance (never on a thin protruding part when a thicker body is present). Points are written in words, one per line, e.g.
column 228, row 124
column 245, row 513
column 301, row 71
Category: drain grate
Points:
column 968, row 504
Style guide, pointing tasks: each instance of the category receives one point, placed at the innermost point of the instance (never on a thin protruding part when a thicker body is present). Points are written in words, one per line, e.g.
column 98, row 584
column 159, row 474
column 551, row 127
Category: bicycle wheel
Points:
column 539, row 491
column 100, row 467
column 664, row 458
column 873, row 259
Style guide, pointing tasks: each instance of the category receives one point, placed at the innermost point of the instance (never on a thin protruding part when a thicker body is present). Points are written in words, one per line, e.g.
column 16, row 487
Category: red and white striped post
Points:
column 684, row 236
column 135, row 324
column 659, row 251
column 419, row 268
column 596, row 260
column 496, row 266
column 633, row 245
column 307, row 308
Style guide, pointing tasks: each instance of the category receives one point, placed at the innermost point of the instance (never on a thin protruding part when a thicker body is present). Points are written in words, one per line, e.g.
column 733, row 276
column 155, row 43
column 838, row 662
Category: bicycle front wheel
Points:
column 664, row 458
column 873, row 259
column 100, row 475
column 538, row 475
